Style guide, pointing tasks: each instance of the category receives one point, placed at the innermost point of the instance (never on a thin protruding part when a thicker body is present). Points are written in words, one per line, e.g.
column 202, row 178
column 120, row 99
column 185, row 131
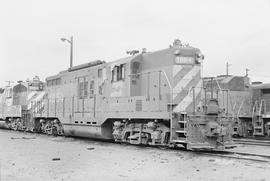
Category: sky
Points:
column 234, row 31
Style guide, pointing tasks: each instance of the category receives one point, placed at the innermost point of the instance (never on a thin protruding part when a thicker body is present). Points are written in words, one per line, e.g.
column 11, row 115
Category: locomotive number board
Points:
column 184, row 60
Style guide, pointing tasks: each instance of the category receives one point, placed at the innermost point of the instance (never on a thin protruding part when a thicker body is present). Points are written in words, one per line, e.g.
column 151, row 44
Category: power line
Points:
column 9, row 82
column 266, row 76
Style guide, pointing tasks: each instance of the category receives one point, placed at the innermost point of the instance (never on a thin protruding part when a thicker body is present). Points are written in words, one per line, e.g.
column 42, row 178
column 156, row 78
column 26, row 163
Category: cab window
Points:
column 82, row 88
column 118, row 73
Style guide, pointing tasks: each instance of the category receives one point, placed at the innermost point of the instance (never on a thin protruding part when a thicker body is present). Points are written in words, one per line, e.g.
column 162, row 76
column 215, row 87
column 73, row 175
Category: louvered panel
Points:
column 138, row 105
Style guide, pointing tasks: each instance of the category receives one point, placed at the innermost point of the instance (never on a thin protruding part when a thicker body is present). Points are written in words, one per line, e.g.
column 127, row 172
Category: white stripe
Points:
column 176, row 69
column 186, row 79
column 227, row 79
column 39, row 97
column 31, row 94
column 182, row 106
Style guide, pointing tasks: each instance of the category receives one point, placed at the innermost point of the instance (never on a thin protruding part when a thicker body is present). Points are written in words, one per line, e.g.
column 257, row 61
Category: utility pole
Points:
column 227, row 68
column 247, row 70
column 9, row 82
column 70, row 41
column 71, row 51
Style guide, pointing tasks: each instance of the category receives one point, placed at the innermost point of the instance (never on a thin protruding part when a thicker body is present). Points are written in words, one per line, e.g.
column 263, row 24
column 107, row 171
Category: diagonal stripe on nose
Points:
column 181, row 94
column 188, row 77
column 179, row 72
column 188, row 100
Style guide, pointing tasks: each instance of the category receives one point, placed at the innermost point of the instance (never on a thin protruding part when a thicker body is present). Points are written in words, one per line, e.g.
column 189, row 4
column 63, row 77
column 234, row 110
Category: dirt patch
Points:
column 49, row 158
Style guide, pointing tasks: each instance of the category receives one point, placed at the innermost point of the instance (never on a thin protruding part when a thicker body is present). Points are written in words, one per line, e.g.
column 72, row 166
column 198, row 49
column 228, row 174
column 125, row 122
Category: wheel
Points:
column 54, row 131
column 48, row 129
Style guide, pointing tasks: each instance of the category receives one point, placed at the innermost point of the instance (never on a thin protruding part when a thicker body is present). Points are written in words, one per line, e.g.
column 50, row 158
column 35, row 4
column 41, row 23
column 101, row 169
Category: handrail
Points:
column 218, row 84
column 260, row 109
column 253, row 112
column 239, row 109
column 171, row 102
column 230, row 97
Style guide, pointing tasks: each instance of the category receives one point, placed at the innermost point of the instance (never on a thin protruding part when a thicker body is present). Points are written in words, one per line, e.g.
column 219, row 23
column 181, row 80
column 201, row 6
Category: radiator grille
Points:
column 138, row 105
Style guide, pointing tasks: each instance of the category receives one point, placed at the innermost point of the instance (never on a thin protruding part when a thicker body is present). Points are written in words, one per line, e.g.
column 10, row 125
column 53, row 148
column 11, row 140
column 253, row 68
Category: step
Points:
column 169, row 103
column 180, row 131
column 182, row 122
column 179, row 140
column 258, row 131
column 258, row 134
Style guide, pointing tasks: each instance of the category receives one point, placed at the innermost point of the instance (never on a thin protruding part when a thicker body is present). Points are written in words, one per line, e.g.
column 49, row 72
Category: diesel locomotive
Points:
column 19, row 102
column 248, row 103
column 149, row 98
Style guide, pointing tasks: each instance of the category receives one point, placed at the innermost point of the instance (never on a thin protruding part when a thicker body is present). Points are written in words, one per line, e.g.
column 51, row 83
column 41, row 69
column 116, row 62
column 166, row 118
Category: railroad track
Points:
column 238, row 155
column 252, row 141
column 223, row 154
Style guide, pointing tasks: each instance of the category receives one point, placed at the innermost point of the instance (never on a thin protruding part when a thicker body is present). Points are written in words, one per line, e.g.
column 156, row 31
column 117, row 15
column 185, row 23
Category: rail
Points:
column 252, row 141
column 238, row 155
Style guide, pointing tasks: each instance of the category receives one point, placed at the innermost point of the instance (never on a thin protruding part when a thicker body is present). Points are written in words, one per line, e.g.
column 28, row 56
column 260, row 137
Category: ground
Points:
column 26, row 156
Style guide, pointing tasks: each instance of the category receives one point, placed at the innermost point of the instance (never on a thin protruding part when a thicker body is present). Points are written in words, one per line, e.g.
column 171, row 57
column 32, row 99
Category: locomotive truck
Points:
column 149, row 98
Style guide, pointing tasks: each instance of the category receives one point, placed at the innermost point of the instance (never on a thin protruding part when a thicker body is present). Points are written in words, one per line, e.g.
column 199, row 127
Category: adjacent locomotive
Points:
column 151, row 98
column 19, row 102
column 261, row 109
column 235, row 96
column 248, row 103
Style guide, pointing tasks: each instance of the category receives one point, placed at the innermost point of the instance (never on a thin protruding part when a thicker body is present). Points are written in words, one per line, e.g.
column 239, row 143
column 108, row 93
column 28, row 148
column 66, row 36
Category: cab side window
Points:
column 82, row 88
column 100, row 73
column 92, row 89
column 118, row 73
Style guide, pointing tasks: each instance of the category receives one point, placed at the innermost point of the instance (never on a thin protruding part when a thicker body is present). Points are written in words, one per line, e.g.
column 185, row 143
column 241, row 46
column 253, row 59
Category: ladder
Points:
column 258, row 120
column 181, row 131
column 237, row 121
